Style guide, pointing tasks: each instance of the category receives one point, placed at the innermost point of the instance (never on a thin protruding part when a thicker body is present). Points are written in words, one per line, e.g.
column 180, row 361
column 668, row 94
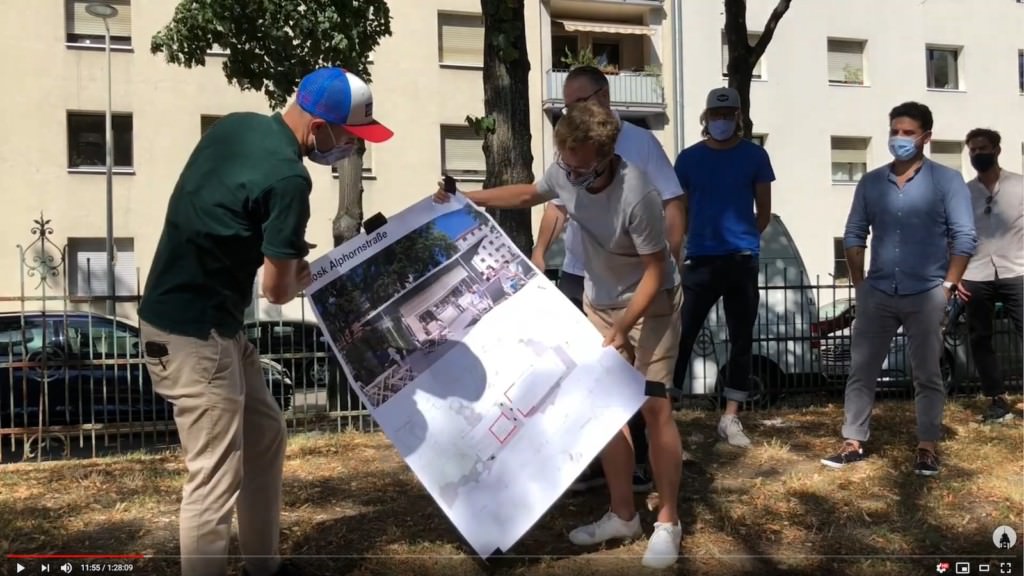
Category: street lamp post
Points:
column 105, row 12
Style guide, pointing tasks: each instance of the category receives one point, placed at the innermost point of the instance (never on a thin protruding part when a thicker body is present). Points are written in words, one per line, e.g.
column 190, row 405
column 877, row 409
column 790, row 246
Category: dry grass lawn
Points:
column 352, row 507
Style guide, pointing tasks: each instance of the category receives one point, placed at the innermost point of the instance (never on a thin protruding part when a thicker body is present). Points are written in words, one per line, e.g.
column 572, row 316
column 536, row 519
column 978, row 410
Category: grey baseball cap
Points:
column 723, row 98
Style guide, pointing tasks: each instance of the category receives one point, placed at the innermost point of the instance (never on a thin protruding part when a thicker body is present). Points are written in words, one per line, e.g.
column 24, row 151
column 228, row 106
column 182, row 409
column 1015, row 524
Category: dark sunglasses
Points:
column 988, row 204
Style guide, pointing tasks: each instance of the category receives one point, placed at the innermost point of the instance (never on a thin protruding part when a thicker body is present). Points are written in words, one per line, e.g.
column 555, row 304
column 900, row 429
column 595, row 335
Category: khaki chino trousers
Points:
column 233, row 438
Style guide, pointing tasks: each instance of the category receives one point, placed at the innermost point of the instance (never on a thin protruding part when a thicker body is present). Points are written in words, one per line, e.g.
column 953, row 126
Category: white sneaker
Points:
column 730, row 430
column 609, row 527
column 663, row 547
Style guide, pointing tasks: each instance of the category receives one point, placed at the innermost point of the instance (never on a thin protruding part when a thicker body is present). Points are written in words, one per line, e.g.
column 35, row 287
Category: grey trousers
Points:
column 879, row 317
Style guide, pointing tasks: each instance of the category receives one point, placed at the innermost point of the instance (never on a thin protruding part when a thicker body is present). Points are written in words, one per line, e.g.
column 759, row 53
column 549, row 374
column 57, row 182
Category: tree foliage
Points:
column 505, row 125
column 743, row 56
column 272, row 44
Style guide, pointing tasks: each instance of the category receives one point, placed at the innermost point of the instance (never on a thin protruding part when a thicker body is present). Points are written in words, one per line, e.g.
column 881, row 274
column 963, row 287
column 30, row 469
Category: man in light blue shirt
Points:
column 920, row 214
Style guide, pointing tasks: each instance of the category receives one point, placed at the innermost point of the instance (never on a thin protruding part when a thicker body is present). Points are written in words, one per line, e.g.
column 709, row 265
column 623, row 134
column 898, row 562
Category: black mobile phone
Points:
column 449, row 185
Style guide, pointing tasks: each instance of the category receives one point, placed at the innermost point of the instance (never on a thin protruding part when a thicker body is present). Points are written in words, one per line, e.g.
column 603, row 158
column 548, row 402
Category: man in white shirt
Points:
column 996, row 272
column 643, row 150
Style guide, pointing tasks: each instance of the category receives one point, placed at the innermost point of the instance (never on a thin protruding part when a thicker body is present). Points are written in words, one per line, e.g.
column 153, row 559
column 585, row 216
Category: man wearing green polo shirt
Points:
column 241, row 202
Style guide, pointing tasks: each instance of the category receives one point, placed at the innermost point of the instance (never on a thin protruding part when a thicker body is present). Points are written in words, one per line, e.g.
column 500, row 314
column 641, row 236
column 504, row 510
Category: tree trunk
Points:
column 348, row 221
column 507, row 149
column 742, row 56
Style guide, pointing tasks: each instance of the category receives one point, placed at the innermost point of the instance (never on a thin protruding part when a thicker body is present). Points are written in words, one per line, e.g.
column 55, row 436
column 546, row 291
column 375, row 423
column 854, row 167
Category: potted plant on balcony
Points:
column 654, row 71
column 583, row 57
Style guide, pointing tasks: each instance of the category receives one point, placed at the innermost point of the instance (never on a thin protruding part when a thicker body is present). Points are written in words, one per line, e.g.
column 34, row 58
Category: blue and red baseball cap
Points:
column 341, row 98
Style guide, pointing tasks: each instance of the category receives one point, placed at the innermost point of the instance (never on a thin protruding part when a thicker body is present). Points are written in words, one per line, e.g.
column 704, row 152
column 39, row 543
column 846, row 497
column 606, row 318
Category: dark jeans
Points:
column 733, row 278
column 572, row 286
column 980, row 309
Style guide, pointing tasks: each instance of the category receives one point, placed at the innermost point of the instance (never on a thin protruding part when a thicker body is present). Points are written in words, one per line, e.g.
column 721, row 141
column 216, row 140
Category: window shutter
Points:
column 91, row 267
column 845, row 62
column 463, row 150
column 461, row 38
column 92, row 277
column 948, row 153
column 78, row 21
column 725, row 55
column 125, row 273
column 849, row 150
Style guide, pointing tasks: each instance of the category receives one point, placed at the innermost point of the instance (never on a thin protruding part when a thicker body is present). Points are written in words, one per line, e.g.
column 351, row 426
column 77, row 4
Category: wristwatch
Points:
column 949, row 285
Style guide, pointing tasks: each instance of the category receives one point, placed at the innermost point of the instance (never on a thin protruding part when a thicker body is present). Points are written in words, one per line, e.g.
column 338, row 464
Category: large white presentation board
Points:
column 493, row 387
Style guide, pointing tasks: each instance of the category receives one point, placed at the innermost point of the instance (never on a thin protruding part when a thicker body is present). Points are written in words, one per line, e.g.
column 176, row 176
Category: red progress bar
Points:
column 76, row 556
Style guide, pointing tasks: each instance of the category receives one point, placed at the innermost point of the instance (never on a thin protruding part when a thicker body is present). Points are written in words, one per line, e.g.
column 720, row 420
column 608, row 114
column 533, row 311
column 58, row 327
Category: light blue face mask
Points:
column 722, row 129
column 581, row 181
column 334, row 155
column 902, row 147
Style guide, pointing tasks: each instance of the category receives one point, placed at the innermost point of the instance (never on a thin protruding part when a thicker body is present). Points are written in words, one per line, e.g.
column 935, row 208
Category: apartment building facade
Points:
column 823, row 91
column 819, row 106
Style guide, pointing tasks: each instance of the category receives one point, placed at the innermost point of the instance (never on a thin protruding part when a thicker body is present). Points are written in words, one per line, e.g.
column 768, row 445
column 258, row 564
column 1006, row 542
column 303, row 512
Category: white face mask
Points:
column 337, row 153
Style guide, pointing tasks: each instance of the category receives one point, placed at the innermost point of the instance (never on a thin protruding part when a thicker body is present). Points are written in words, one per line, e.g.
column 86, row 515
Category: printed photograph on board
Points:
column 401, row 310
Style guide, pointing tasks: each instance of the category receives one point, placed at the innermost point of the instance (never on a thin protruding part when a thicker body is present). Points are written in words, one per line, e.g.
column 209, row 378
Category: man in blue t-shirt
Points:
column 724, row 178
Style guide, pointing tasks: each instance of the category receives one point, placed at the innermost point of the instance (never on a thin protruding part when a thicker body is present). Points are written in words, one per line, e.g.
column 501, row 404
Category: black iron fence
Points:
column 73, row 379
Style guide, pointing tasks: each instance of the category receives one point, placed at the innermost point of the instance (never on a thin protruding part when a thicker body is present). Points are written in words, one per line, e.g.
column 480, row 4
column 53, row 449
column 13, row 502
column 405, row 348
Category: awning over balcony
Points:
column 605, row 27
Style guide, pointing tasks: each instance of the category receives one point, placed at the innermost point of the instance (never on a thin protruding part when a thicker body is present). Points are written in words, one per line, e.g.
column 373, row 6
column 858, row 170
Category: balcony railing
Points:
column 640, row 91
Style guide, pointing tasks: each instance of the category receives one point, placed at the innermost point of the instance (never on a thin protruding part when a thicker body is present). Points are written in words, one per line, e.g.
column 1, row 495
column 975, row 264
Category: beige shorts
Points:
column 655, row 338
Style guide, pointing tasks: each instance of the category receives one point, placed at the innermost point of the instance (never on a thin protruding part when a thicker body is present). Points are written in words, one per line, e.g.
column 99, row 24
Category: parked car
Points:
column 299, row 346
column 85, row 368
column 782, row 350
column 833, row 336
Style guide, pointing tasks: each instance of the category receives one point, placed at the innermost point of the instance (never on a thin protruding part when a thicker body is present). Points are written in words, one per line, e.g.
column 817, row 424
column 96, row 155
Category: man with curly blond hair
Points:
column 631, row 294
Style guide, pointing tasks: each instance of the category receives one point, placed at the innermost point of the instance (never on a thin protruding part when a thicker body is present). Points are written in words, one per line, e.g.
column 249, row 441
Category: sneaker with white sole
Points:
column 609, row 527
column 663, row 546
column 731, row 430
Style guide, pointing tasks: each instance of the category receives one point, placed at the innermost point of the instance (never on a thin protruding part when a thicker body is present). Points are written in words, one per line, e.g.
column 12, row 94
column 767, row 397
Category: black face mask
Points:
column 983, row 162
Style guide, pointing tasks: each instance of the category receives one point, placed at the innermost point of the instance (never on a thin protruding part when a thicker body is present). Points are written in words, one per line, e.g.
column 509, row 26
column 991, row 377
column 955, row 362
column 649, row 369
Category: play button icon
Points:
column 19, row 568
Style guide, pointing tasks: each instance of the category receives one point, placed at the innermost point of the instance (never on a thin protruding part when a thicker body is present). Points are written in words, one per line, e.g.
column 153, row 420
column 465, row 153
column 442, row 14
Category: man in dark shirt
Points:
column 241, row 202
column 919, row 213
column 727, row 182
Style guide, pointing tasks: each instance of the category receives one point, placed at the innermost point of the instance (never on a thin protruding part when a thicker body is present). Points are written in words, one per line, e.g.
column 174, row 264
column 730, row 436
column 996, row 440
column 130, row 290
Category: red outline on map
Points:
column 500, row 439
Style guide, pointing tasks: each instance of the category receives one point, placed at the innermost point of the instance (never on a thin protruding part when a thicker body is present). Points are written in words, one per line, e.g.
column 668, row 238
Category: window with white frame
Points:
column 752, row 38
column 462, row 153
column 206, row 121
column 840, row 267
column 87, row 268
column 846, row 62
column 367, row 162
column 943, row 68
column 849, row 158
column 460, row 39
column 87, row 137
column 948, row 152
column 80, row 27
